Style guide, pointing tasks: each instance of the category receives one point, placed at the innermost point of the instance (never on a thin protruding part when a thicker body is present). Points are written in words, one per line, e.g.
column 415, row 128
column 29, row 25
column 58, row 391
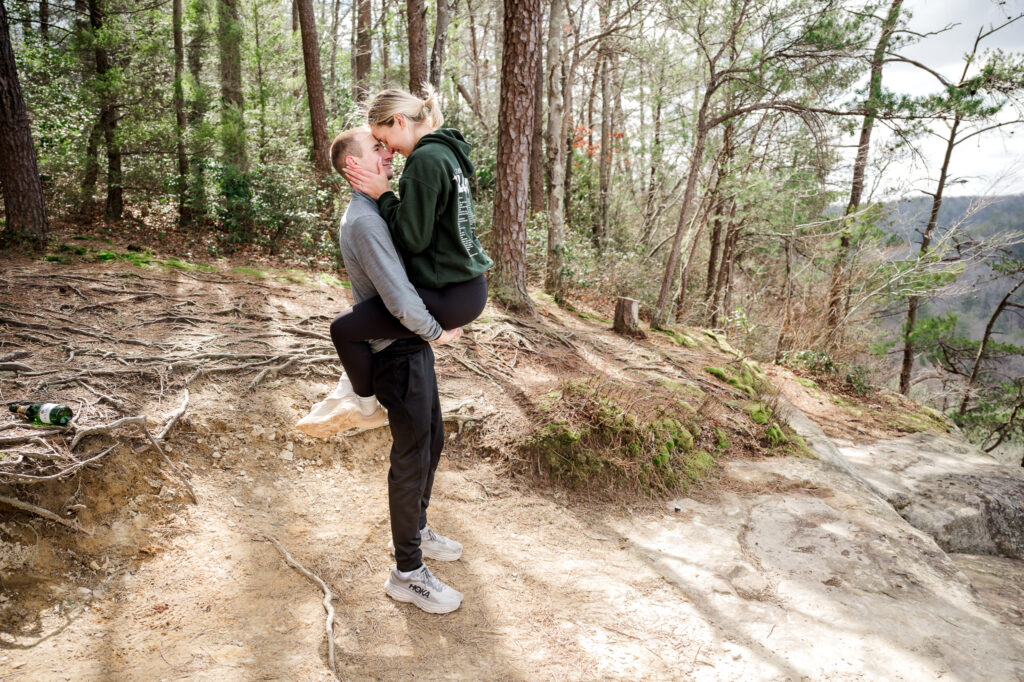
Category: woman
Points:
column 432, row 224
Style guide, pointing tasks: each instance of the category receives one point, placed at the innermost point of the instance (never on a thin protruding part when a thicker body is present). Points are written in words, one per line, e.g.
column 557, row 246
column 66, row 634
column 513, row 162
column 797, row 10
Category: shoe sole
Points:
column 431, row 554
column 398, row 594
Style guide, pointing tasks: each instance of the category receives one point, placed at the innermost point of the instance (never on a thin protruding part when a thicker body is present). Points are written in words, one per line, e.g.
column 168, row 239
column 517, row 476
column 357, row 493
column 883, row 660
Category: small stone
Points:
column 94, row 566
column 216, row 454
column 272, row 436
column 287, row 455
column 85, row 591
column 289, row 445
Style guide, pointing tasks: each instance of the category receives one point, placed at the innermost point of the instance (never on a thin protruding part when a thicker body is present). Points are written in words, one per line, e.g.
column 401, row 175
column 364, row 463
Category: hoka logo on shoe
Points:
column 420, row 590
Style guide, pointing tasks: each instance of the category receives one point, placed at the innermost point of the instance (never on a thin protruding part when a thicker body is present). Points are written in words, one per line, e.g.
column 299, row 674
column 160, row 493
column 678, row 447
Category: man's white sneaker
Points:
column 423, row 589
column 435, row 546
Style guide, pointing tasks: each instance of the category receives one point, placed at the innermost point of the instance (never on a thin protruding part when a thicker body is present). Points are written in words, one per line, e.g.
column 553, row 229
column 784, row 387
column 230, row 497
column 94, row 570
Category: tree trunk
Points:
column 44, row 21
column 605, row 167
column 976, row 367
column 907, row 365
column 364, row 50
column 838, row 284
column 719, row 208
column 232, row 120
column 724, row 271
column 261, row 90
column 520, row 53
column 537, row 144
column 24, row 207
column 568, row 130
column 385, row 39
column 87, row 192
column 594, row 83
column 179, row 110
column 314, row 90
column 653, row 182
column 684, row 273
column 697, row 158
column 198, row 106
column 555, row 151
column 444, row 17
column 416, row 16
column 332, row 83
column 108, row 122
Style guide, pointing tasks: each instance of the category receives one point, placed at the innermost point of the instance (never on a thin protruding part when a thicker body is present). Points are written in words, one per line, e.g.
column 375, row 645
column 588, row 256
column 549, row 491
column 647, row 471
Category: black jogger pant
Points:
column 403, row 376
column 452, row 306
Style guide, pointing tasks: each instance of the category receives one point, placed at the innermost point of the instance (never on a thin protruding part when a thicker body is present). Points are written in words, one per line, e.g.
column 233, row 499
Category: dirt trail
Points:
column 782, row 571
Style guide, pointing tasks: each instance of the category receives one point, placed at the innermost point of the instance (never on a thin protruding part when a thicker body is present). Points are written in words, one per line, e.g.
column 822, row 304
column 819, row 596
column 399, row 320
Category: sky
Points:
column 989, row 164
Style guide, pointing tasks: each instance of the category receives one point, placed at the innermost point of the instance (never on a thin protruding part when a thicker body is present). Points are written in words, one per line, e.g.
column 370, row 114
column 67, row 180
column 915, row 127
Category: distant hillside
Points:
column 988, row 216
column 981, row 217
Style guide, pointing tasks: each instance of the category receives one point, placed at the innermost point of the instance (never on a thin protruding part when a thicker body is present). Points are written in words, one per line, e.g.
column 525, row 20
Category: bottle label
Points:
column 44, row 412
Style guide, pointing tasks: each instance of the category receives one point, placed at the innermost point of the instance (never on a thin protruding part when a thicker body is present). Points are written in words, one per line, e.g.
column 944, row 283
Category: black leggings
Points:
column 452, row 306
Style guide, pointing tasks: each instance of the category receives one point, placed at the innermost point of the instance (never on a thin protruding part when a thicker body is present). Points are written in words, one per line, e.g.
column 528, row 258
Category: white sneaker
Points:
column 435, row 546
column 360, row 422
column 338, row 412
column 423, row 589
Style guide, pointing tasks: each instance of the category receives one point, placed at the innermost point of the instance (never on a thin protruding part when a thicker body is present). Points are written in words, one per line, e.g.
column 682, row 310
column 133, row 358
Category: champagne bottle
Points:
column 43, row 413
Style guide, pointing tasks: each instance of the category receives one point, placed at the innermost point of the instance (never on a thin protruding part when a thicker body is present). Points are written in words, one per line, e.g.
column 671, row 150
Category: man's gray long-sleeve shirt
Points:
column 375, row 269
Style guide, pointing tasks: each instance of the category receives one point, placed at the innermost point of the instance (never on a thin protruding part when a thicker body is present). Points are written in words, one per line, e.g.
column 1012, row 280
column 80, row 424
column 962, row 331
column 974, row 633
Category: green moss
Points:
column 332, row 280
column 56, row 258
column 699, row 465
column 799, row 447
column 759, row 413
column 720, row 341
column 542, row 297
column 806, row 383
column 679, row 338
column 73, row 248
column 775, row 435
column 721, row 440
column 591, row 316
column 605, row 435
column 247, row 271
column 294, row 277
column 142, row 259
column 681, row 387
column 718, row 372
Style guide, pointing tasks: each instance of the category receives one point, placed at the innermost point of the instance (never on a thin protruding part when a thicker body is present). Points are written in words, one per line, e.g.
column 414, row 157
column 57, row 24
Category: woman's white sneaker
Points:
column 423, row 589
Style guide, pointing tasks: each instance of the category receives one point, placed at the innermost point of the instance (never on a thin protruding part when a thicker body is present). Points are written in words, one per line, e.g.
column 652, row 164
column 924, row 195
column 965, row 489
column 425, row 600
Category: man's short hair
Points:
column 347, row 143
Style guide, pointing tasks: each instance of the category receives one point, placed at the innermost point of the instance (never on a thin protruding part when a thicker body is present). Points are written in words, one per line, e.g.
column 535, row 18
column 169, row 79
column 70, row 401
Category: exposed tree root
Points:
column 328, row 607
column 39, row 511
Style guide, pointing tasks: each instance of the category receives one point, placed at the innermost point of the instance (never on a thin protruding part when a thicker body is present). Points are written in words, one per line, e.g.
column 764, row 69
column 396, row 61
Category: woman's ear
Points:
column 400, row 120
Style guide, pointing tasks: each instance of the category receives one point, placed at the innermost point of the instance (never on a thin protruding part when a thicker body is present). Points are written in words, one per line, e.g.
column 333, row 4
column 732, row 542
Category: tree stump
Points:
column 627, row 316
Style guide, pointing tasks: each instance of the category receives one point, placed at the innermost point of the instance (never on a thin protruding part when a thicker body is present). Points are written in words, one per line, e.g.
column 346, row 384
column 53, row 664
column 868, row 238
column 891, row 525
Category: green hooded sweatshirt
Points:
column 433, row 224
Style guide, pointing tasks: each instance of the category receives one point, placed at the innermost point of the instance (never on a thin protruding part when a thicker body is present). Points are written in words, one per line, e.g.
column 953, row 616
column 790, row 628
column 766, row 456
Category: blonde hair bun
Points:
column 382, row 108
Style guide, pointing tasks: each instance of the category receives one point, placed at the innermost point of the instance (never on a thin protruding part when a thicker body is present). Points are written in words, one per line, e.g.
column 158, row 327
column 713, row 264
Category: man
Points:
column 403, row 380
